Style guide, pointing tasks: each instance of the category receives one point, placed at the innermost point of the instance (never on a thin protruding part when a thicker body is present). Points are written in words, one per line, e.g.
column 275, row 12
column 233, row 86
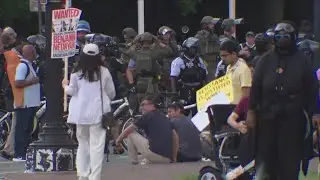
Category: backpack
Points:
column 12, row 59
column 146, row 65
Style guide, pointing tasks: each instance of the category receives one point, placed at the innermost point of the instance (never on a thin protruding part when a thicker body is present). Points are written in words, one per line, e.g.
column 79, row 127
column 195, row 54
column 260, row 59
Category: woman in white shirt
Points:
column 85, row 110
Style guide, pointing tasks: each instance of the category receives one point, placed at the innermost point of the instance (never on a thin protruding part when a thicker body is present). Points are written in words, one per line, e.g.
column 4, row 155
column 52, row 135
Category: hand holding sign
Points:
column 223, row 84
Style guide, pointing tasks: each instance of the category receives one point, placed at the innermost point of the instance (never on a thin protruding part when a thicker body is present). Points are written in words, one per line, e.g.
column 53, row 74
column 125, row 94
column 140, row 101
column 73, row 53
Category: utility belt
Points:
column 146, row 83
column 146, row 74
column 188, row 91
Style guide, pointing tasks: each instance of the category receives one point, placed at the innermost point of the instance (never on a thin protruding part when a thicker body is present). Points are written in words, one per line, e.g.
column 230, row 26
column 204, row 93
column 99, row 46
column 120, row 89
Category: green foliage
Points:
column 188, row 6
column 13, row 10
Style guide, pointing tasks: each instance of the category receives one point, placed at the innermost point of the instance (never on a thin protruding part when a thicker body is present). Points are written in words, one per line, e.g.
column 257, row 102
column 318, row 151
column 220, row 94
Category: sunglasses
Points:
column 282, row 36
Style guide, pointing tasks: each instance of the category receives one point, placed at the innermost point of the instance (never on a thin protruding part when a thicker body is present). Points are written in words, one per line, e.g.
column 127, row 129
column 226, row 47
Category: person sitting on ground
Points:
column 162, row 142
column 189, row 140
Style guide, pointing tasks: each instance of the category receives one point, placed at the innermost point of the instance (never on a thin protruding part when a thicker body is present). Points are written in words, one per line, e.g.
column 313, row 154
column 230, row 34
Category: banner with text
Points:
column 223, row 84
column 64, row 32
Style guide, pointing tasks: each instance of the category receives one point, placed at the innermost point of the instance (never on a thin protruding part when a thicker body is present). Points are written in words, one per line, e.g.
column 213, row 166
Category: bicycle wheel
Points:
column 5, row 126
column 126, row 124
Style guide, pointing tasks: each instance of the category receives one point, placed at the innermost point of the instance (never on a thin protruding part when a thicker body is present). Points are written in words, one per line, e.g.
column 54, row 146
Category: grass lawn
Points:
column 311, row 176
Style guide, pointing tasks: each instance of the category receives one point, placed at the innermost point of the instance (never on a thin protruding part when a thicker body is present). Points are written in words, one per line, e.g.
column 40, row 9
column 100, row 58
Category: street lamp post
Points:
column 140, row 16
column 54, row 151
column 232, row 10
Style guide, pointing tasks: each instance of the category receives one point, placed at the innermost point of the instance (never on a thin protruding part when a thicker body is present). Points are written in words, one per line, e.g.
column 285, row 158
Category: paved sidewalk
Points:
column 123, row 171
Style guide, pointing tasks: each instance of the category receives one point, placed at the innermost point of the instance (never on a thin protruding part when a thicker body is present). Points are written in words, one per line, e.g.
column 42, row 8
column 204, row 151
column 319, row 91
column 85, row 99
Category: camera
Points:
column 108, row 45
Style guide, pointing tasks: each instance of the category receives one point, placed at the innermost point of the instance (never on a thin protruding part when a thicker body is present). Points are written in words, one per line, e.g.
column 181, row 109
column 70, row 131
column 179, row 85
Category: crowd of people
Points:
column 275, row 91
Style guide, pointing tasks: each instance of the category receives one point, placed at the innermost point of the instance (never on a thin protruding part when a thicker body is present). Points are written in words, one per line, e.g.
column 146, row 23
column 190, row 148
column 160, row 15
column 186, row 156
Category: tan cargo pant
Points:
column 138, row 143
column 9, row 146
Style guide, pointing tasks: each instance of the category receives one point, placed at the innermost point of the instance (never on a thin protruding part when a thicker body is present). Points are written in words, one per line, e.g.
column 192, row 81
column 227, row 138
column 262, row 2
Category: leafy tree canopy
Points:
column 13, row 10
column 188, row 6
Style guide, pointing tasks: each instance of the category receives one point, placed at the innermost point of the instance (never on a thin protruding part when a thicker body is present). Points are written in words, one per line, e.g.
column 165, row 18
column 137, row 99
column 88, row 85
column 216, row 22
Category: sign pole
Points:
column 54, row 151
column 66, row 67
column 39, row 15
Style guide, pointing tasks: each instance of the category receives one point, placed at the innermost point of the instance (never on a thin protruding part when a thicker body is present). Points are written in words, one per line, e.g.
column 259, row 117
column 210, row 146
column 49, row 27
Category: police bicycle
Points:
column 6, row 123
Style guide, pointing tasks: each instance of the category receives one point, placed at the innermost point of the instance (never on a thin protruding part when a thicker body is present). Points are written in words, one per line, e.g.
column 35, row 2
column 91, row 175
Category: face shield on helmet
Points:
column 191, row 47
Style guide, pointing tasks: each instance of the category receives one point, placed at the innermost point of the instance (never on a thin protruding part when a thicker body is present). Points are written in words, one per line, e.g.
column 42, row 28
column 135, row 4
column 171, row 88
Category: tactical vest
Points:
column 192, row 73
column 146, row 64
column 210, row 44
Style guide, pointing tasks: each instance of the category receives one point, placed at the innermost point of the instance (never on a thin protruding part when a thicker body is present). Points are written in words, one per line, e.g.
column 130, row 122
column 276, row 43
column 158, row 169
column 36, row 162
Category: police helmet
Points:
column 206, row 20
column 163, row 30
column 191, row 47
column 146, row 37
column 129, row 32
column 261, row 42
column 227, row 24
column 308, row 47
column 83, row 26
column 270, row 32
column 38, row 40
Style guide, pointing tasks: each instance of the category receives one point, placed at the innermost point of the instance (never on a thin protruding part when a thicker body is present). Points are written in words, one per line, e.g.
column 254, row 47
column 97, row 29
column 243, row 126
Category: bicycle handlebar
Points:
column 190, row 106
column 118, row 101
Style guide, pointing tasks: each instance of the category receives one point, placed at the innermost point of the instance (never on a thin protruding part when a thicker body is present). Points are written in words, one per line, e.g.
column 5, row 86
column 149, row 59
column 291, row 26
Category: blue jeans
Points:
column 24, row 126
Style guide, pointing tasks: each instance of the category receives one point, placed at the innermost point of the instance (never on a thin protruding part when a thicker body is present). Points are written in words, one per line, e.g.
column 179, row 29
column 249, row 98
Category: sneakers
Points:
column 19, row 159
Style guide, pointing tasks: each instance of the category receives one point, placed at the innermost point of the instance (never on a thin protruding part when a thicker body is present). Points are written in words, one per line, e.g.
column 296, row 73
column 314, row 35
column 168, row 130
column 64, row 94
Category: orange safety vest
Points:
column 12, row 61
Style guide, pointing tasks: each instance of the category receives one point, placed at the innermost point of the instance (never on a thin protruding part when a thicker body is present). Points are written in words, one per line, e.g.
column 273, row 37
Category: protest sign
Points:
column 223, row 84
column 64, row 32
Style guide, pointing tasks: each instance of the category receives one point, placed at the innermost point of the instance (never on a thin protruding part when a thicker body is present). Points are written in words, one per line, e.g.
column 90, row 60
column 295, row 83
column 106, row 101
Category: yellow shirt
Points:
column 241, row 77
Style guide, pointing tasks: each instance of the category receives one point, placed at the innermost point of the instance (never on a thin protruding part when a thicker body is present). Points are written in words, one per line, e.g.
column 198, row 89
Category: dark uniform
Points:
column 189, row 71
column 284, row 95
column 226, row 25
column 145, row 61
column 209, row 44
column 168, row 56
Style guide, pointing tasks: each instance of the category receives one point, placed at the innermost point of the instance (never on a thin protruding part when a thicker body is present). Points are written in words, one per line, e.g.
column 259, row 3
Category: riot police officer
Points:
column 229, row 27
column 128, row 34
column 284, row 96
column 209, row 43
column 167, row 37
column 144, row 69
column 188, row 72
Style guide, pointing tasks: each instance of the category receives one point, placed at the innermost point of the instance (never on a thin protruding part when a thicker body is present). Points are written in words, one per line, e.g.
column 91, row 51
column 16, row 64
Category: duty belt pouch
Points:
column 145, row 85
